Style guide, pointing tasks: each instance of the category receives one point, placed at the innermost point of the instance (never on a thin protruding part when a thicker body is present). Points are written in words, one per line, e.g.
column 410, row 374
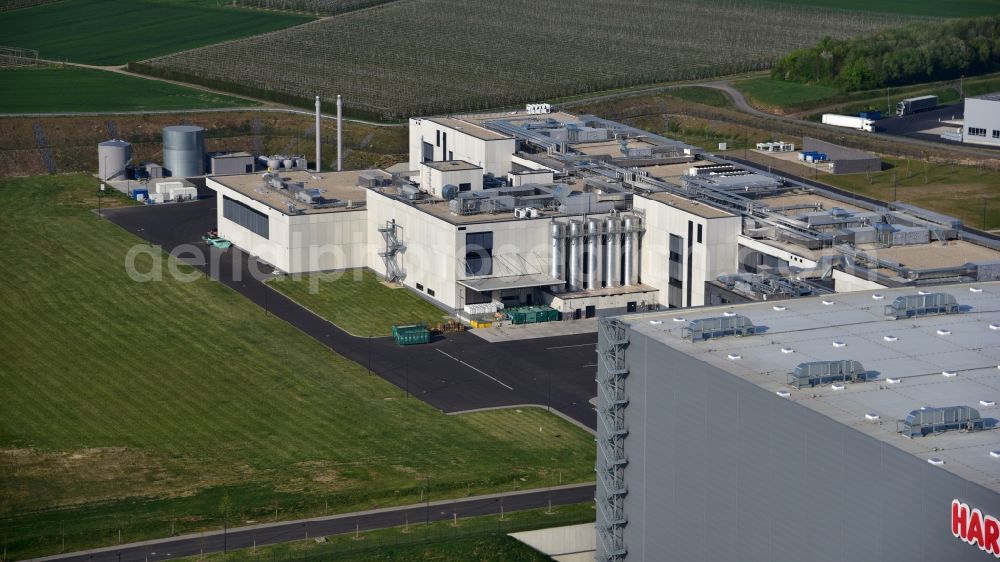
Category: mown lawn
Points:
column 482, row 539
column 54, row 89
column 358, row 302
column 958, row 191
column 114, row 32
column 139, row 406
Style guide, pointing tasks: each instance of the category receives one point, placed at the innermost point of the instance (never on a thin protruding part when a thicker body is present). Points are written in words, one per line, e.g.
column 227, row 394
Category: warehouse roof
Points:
column 452, row 165
column 916, row 352
column 469, row 128
column 339, row 186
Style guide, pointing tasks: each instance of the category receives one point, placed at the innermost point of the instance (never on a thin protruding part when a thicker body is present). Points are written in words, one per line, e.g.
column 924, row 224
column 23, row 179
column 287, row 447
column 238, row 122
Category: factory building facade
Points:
column 724, row 434
column 588, row 216
column 982, row 120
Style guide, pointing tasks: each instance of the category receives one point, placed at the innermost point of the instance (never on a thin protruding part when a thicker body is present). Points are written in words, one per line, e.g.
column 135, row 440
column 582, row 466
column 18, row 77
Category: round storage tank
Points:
column 184, row 151
column 112, row 156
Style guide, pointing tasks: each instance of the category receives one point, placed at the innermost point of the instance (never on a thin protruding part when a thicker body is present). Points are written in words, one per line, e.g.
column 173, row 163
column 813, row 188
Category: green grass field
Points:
column 957, row 191
column 139, row 406
column 53, row 89
column 113, row 32
column 928, row 8
column 702, row 95
column 357, row 302
column 482, row 539
column 779, row 93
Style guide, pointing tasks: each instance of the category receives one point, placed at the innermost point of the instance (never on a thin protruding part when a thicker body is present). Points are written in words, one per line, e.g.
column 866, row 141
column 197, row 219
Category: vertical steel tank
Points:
column 630, row 249
column 575, row 256
column 184, row 150
column 557, row 238
column 612, row 252
column 112, row 156
column 595, row 265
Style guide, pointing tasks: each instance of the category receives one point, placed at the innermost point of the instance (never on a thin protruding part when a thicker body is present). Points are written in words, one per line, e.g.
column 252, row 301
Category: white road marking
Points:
column 494, row 379
column 568, row 346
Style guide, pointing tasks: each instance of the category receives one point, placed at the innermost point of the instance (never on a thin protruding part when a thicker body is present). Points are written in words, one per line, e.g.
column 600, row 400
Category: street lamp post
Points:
column 100, row 192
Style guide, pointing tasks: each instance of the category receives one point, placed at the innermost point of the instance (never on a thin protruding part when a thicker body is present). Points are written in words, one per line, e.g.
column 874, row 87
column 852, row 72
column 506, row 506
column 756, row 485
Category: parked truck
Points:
column 849, row 121
column 914, row 105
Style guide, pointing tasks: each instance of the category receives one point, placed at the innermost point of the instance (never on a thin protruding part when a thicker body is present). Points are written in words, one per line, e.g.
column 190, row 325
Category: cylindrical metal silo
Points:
column 629, row 274
column 594, row 265
column 635, row 255
column 612, row 252
column 557, row 238
column 575, row 280
column 184, row 150
column 112, row 156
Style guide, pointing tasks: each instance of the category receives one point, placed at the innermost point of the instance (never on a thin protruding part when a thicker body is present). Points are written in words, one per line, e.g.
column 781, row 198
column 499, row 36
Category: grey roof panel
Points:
column 807, row 329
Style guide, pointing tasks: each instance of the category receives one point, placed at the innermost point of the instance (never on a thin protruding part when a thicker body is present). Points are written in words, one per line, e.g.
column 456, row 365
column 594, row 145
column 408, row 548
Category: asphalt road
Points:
column 274, row 533
column 454, row 373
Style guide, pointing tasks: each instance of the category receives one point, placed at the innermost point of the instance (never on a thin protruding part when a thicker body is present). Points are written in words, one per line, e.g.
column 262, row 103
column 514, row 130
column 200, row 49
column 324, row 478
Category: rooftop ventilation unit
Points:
column 707, row 328
column 922, row 305
column 821, row 372
column 936, row 420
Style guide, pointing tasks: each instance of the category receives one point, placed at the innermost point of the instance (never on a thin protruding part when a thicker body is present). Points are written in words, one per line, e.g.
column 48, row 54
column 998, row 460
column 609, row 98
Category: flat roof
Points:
column 836, row 152
column 694, row 207
column 819, row 200
column 231, row 155
column 989, row 97
column 519, row 116
column 610, row 148
column 917, row 357
column 669, row 171
column 452, row 165
column 510, row 282
column 936, row 254
column 342, row 186
column 469, row 128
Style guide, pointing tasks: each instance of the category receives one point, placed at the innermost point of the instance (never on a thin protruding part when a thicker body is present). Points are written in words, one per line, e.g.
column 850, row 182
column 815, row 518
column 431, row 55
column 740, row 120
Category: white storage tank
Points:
column 184, row 151
column 112, row 156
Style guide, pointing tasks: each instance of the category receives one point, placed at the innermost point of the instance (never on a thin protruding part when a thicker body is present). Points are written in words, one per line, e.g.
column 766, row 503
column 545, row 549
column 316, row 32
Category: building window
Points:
column 699, row 234
column 977, row 132
column 438, row 142
column 996, row 134
column 465, row 187
column 428, row 153
column 451, row 155
column 479, row 253
column 430, row 292
column 250, row 219
column 420, row 287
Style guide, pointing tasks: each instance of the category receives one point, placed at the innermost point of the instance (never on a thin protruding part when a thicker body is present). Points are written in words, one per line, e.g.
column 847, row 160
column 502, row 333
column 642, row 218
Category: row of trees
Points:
column 395, row 61
column 918, row 52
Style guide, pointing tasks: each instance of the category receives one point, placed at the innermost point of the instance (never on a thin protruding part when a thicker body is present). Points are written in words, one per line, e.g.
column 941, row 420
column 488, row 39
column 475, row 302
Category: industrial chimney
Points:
column 340, row 135
column 319, row 160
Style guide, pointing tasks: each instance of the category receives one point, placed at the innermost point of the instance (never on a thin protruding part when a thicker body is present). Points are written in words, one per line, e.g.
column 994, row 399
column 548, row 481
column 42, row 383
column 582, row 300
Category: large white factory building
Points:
column 589, row 216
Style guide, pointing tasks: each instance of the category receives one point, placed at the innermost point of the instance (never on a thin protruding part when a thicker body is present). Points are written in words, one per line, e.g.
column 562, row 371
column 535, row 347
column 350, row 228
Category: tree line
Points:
column 918, row 52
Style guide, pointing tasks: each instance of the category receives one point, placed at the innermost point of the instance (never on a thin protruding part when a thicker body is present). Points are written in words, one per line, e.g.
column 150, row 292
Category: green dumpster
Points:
column 413, row 334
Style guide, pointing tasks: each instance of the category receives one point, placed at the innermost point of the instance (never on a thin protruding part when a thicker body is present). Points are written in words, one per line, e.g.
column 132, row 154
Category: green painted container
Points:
column 414, row 334
column 532, row 314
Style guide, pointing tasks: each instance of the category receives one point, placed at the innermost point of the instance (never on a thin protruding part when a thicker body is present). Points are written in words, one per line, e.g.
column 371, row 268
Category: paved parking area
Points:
column 455, row 372
column 509, row 332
